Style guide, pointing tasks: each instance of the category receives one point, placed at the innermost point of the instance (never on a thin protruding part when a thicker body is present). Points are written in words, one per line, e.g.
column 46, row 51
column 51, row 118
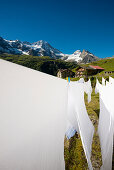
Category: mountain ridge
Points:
column 43, row 48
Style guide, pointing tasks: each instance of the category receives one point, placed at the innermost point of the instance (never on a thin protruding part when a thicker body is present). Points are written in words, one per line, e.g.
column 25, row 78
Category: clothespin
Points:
column 69, row 79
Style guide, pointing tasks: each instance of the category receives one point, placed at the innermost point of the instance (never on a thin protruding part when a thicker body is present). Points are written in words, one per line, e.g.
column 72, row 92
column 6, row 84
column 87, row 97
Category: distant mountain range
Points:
column 43, row 48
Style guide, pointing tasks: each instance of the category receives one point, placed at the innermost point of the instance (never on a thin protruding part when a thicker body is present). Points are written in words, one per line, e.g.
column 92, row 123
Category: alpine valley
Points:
column 43, row 48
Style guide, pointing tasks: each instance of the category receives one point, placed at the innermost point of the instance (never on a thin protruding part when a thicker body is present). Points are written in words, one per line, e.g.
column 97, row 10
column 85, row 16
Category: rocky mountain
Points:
column 81, row 57
column 40, row 48
column 43, row 48
column 87, row 57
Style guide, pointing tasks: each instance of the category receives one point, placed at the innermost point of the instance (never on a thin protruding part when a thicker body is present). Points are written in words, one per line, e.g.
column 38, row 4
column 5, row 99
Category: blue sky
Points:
column 67, row 25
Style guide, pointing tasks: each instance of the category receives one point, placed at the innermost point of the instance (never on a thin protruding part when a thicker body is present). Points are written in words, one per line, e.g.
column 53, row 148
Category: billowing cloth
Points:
column 107, row 83
column 111, row 80
column 106, row 123
column 78, row 117
column 86, row 87
column 33, row 108
column 103, row 81
column 71, row 130
column 34, row 116
column 81, row 80
column 98, row 87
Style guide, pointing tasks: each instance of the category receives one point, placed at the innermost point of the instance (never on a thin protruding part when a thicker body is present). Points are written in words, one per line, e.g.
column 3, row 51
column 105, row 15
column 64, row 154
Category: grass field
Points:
column 107, row 64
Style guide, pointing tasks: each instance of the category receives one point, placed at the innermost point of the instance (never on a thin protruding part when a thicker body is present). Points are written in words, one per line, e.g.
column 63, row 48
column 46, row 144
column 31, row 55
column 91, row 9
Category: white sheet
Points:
column 106, row 123
column 103, row 81
column 32, row 119
column 78, row 117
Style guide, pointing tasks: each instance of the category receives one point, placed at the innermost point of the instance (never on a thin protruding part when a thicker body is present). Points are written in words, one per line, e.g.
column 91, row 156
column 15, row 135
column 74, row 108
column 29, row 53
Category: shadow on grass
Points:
column 113, row 159
column 97, row 111
column 72, row 145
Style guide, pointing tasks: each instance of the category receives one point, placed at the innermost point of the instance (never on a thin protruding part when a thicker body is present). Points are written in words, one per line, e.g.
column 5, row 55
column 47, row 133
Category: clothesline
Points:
column 77, row 115
column 37, row 110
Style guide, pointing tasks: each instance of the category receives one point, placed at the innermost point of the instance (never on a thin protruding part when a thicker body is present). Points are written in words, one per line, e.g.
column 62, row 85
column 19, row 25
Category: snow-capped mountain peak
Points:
column 41, row 43
column 39, row 48
column 43, row 48
column 81, row 57
column 77, row 52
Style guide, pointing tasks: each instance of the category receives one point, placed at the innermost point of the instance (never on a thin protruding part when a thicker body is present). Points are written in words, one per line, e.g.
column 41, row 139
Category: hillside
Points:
column 107, row 64
column 43, row 64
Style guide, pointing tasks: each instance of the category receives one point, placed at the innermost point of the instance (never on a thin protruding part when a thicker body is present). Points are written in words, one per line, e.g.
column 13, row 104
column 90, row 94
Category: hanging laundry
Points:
column 106, row 123
column 111, row 80
column 87, row 87
column 78, row 117
column 103, row 81
column 33, row 108
column 107, row 83
column 70, row 131
column 34, row 116
column 97, row 87
column 81, row 80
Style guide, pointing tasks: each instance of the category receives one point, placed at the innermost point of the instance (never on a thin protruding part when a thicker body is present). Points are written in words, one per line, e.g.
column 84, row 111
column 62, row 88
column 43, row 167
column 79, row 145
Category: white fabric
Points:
column 88, row 89
column 111, row 80
column 105, row 130
column 98, row 87
column 78, row 117
column 107, row 83
column 86, row 86
column 103, row 81
column 106, row 123
column 32, row 119
column 81, row 80
column 71, row 129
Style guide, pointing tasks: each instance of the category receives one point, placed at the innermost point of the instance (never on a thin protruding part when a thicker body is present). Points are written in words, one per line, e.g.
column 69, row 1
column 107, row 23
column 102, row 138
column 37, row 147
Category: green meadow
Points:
column 107, row 64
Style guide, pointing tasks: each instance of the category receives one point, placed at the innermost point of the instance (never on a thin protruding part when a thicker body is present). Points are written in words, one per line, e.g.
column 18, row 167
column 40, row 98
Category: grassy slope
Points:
column 107, row 64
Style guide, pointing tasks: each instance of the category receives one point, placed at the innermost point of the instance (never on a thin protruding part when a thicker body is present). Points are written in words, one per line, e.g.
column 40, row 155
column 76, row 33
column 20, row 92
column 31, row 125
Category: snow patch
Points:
column 75, row 56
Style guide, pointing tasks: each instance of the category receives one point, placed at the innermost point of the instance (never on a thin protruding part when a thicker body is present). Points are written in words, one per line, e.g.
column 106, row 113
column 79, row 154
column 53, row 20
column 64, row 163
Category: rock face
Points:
column 87, row 57
column 43, row 48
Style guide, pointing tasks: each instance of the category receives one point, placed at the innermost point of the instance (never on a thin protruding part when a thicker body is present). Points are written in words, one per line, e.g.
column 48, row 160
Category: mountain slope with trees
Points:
column 43, row 64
